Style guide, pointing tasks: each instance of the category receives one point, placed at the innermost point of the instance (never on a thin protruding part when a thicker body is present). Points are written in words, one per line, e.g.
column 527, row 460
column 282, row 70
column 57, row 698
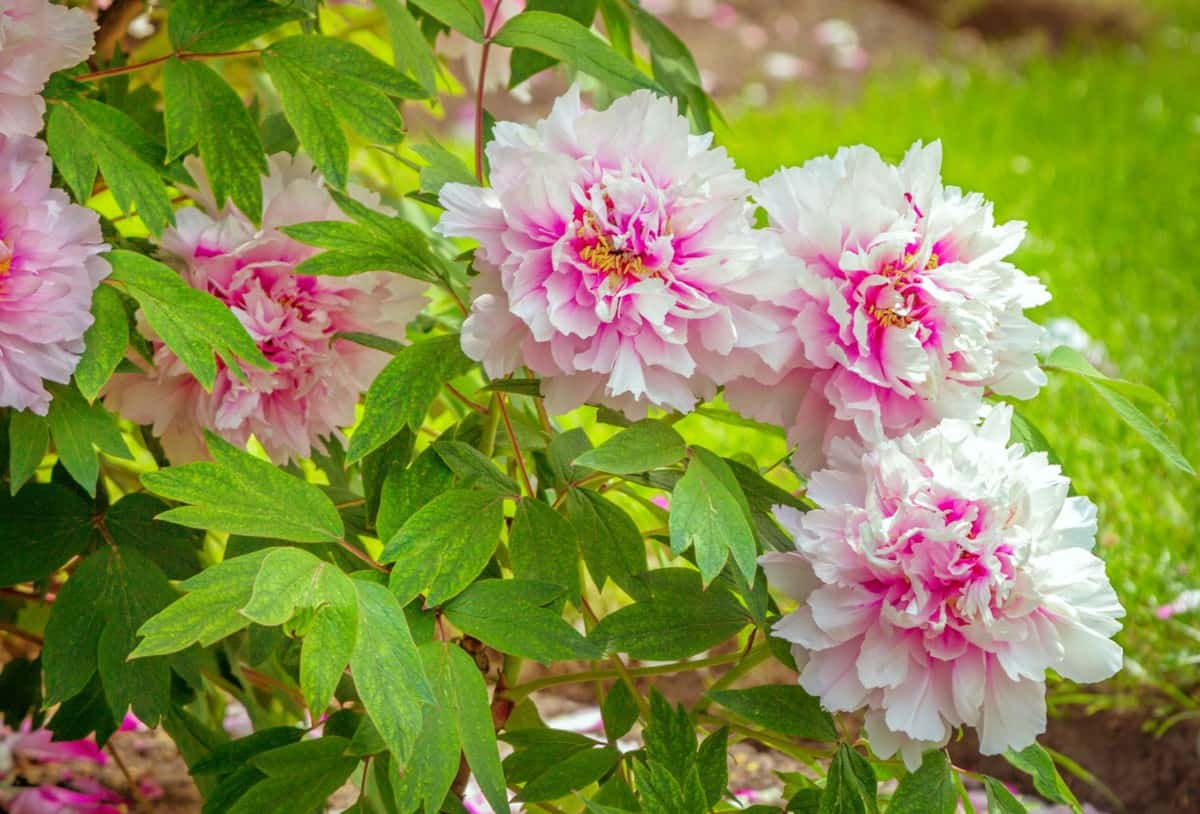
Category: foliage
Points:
column 395, row 585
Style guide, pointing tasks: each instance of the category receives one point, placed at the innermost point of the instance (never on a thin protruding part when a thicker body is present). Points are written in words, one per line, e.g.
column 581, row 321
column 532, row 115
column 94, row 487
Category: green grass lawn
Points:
column 1100, row 153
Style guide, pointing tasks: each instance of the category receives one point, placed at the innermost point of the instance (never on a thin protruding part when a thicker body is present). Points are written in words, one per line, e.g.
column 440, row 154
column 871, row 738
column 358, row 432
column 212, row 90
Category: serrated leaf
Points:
column 402, row 392
column 67, row 139
column 387, row 669
column 78, row 430
column 132, row 522
column 476, row 729
column 241, row 494
column 28, row 440
column 310, row 112
column 208, row 26
column 712, row 765
column 928, row 790
column 576, row 772
column 192, row 323
column 707, row 515
column 405, row 490
column 784, row 708
column 564, row 39
column 619, row 711
column 40, row 529
column 442, row 167
column 196, row 95
column 506, row 615
column 300, row 777
column 525, row 63
column 648, row 444
column 444, row 545
column 670, row 736
column 464, row 16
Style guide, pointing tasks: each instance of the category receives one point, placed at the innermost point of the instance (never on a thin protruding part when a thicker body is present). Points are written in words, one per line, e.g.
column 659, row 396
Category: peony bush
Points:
column 312, row 425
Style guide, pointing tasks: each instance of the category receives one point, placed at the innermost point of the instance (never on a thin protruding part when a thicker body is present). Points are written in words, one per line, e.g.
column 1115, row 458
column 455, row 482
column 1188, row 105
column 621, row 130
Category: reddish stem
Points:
column 483, row 65
column 183, row 55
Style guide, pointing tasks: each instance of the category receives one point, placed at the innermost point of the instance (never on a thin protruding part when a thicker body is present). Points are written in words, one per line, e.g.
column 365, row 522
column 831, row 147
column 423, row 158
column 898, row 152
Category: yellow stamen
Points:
column 5, row 264
column 887, row 318
column 616, row 263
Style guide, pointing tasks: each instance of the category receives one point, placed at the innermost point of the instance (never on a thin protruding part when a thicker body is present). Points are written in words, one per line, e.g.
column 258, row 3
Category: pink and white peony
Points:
column 317, row 379
column 615, row 260
column 942, row 574
column 49, row 267
column 904, row 310
column 37, row 38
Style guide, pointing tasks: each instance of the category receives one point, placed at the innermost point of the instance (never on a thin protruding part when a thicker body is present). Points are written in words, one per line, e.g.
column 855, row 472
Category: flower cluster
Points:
column 941, row 575
column 49, row 263
column 317, row 377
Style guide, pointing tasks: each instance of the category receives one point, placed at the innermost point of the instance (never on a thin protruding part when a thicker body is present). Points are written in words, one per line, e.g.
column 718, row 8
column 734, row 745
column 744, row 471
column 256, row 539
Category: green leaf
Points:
column 662, row 793
column 1025, row 433
column 387, row 669
column 617, row 27
column 385, row 244
column 677, row 620
column 526, row 63
column 543, row 546
column 784, row 708
column 129, row 158
column 300, row 777
column 241, row 494
column 474, row 469
column 322, row 79
column 1000, row 800
column 1069, row 360
column 428, row 773
column 1142, row 425
column 410, row 49
column 505, row 615
column 1037, row 763
column 28, row 439
column 194, row 324
column 475, row 728
column 40, row 529
column 330, row 640
column 670, row 736
column 443, row 167
column 67, row 138
column 619, row 711
column 132, row 522
column 707, row 515
column 104, row 343
column 78, row 429
column 850, row 787
column 210, row 611
column 229, row 757
column 564, row 39
column 402, row 392
column 648, row 444
column 612, row 545
column 464, row 16
column 576, row 772
column 405, row 490
column 221, row 125
column 93, row 625
column 928, row 790
column 444, row 545
column 712, row 765
column 209, row 26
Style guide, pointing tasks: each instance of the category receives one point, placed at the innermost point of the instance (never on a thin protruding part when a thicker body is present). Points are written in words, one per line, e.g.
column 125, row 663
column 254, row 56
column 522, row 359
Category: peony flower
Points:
column 37, row 38
column 317, row 378
column 48, row 799
column 942, row 574
column 904, row 310
column 49, row 267
column 614, row 259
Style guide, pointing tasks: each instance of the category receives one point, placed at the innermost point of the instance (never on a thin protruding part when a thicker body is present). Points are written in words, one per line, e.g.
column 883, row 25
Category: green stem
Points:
column 491, row 423
column 752, row 659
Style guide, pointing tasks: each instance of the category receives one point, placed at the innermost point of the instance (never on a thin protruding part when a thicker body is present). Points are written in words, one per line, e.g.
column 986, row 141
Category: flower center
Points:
column 617, row 263
column 6, row 257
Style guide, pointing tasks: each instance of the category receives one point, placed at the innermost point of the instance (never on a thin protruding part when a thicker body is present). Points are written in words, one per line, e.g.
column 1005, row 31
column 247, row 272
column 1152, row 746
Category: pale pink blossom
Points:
column 37, row 38
column 940, row 577
column 49, row 267
column 615, row 260
column 317, row 379
column 903, row 309
column 91, row 798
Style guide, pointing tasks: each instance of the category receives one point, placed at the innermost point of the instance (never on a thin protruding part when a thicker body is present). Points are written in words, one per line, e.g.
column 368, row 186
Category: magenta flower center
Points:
column 943, row 567
column 6, row 260
column 621, row 231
